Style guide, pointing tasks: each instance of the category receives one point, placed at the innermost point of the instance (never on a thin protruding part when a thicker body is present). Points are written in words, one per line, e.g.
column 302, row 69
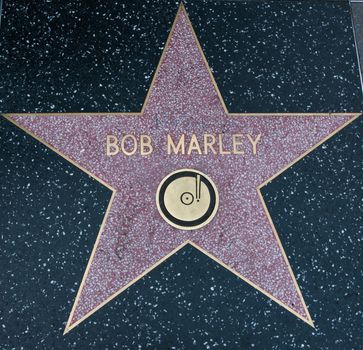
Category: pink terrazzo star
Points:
column 134, row 238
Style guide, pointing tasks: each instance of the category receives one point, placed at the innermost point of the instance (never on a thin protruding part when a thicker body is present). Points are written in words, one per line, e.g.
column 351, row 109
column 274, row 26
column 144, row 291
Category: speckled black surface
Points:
column 281, row 56
column 50, row 215
column 272, row 56
column 357, row 12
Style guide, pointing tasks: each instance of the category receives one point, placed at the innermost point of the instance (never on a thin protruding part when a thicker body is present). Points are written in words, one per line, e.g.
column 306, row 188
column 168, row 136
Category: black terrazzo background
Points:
column 51, row 212
column 281, row 56
column 268, row 56
column 357, row 11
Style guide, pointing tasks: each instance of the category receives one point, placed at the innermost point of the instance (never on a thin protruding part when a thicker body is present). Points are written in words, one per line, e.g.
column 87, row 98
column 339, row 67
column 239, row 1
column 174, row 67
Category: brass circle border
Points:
column 211, row 215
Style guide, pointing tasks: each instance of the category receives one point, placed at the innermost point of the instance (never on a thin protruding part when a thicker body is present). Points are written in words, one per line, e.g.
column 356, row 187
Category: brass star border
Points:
column 9, row 116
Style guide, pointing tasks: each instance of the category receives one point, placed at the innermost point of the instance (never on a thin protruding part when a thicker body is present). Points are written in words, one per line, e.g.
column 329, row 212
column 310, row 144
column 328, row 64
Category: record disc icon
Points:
column 187, row 199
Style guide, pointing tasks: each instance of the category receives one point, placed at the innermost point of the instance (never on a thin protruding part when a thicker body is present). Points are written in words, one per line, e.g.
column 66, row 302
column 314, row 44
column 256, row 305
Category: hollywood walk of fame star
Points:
column 134, row 237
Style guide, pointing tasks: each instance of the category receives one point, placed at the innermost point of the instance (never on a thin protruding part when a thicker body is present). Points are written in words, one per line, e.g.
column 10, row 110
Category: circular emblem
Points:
column 187, row 199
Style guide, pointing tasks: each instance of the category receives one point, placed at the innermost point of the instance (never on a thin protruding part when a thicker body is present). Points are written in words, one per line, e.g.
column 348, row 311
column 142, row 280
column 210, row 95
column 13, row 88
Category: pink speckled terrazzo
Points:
column 183, row 100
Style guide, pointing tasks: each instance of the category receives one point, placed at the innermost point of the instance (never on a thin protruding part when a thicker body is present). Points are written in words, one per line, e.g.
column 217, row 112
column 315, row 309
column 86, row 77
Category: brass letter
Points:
column 254, row 142
column 237, row 143
column 194, row 145
column 145, row 145
column 111, row 145
column 209, row 144
column 133, row 138
column 220, row 141
column 178, row 147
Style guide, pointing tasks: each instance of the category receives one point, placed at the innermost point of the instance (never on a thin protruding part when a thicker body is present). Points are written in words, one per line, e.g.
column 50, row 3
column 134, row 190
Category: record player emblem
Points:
column 187, row 199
